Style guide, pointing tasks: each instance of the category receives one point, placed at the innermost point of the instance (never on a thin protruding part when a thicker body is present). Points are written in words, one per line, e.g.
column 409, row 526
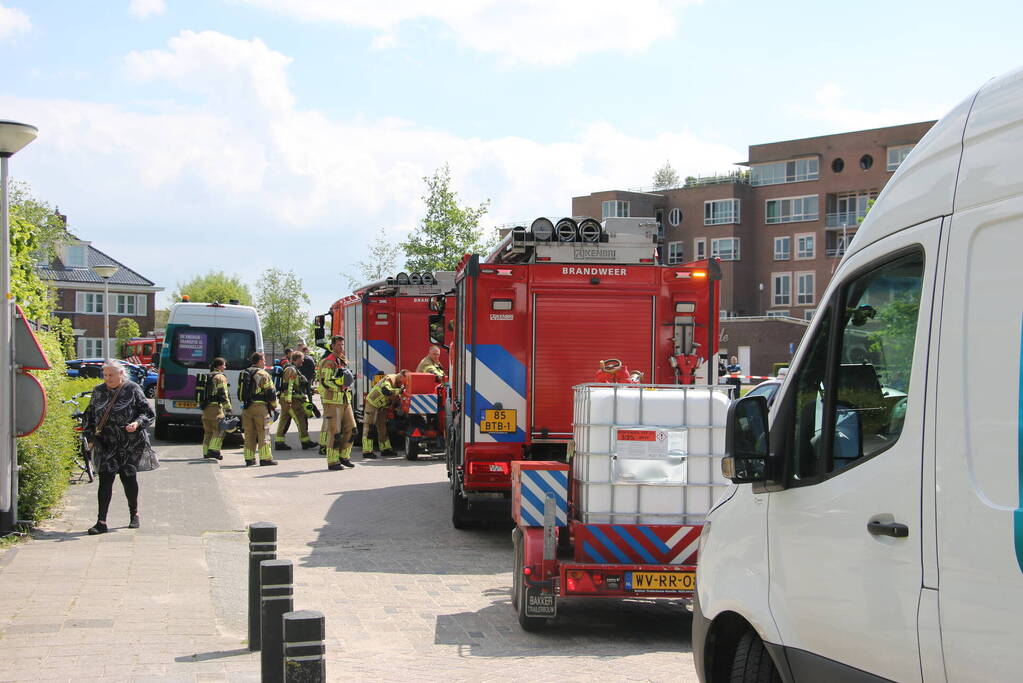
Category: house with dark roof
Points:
column 80, row 290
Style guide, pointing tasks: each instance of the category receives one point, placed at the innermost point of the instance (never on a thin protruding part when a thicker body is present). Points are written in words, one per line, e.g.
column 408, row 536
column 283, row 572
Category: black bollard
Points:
column 275, row 595
column 303, row 647
column 262, row 546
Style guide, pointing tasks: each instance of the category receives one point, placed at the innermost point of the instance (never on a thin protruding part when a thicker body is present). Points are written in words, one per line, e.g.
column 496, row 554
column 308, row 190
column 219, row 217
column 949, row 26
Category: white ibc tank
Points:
column 648, row 453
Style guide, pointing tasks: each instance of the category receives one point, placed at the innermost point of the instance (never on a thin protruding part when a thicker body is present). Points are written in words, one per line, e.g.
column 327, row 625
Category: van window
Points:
column 868, row 366
column 195, row 347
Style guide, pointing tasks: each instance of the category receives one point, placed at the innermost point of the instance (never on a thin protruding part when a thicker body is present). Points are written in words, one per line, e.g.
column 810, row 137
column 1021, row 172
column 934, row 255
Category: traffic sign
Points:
column 29, row 404
column 27, row 352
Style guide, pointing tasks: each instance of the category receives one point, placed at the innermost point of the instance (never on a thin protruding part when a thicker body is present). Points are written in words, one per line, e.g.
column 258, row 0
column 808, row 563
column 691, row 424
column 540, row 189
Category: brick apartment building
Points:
column 79, row 293
column 779, row 228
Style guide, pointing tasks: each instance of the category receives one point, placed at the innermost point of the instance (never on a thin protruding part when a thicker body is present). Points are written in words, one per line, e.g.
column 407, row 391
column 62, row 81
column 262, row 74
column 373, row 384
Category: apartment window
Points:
column 90, row 347
column 675, row 217
column 782, row 248
column 721, row 211
column 726, row 248
column 89, row 302
column 808, row 313
column 777, row 314
column 674, row 253
column 805, row 246
column 794, row 171
column 616, row 208
column 700, row 248
column 804, row 289
column 896, row 155
column 782, row 288
column 74, row 255
column 792, row 209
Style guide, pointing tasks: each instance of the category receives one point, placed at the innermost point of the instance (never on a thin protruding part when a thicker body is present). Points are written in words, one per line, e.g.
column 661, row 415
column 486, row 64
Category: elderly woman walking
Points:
column 115, row 424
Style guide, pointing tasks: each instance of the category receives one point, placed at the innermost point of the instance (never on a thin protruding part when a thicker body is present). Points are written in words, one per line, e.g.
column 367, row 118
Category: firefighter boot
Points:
column 346, row 460
column 307, row 444
column 265, row 456
column 386, row 450
column 216, row 443
column 367, row 448
column 280, row 445
column 250, row 457
column 324, row 437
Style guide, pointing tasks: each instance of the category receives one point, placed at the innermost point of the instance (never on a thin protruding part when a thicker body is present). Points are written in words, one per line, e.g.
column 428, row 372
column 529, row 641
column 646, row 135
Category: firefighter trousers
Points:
column 212, row 437
column 294, row 411
column 255, row 422
column 378, row 417
column 337, row 431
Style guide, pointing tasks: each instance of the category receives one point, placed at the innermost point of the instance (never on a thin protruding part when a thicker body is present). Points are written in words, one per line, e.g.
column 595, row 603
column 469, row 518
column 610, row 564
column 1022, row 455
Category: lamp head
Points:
column 105, row 271
column 14, row 136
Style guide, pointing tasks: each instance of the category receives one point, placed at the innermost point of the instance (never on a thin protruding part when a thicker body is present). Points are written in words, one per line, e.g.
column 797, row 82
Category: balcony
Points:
column 837, row 252
column 741, row 177
column 846, row 219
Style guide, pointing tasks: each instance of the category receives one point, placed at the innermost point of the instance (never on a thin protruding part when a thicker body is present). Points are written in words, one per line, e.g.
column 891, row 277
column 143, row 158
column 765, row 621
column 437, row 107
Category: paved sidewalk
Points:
column 132, row 604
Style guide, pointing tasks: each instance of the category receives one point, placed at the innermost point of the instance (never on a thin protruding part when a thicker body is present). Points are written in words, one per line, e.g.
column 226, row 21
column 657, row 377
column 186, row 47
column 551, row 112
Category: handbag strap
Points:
column 110, row 406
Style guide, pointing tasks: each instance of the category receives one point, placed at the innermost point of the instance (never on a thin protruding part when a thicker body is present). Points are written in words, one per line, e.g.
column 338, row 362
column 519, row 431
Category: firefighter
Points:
column 379, row 400
column 216, row 404
column 259, row 405
column 431, row 363
column 338, row 430
column 612, row 372
column 294, row 388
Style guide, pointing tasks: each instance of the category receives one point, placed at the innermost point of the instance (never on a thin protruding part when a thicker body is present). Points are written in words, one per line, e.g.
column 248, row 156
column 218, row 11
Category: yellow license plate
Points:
column 661, row 582
column 499, row 421
column 185, row 404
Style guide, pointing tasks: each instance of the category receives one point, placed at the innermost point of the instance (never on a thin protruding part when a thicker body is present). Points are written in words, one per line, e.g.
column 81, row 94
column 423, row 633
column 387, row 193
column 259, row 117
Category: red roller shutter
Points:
column 573, row 333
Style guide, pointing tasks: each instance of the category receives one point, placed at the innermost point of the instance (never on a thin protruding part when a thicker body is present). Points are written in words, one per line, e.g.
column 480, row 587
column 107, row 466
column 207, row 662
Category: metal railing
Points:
column 698, row 181
column 836, row 252
column 844, row 219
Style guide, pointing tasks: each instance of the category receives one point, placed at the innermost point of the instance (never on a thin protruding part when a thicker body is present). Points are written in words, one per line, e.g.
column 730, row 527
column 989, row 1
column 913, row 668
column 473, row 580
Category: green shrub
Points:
column 47, row 455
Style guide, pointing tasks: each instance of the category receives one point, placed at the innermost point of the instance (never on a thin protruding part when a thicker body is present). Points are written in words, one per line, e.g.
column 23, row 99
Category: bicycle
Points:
column 84, row 458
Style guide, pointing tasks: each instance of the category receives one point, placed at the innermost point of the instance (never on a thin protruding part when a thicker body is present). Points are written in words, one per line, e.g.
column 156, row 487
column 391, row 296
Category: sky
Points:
column 181, row 136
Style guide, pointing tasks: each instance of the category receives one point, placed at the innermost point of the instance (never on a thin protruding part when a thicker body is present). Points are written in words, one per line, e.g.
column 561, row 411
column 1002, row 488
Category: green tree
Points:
column 280, row 301
column 214, row 286
column 666, row 176
column 447, row 231
column 126, row 329
column 378, row 265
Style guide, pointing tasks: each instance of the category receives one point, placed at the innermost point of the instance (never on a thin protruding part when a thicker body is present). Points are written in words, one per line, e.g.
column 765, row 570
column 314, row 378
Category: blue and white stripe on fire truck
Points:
column 534, row 487
column 380, row 358
column 423, row 404
column 500, row 380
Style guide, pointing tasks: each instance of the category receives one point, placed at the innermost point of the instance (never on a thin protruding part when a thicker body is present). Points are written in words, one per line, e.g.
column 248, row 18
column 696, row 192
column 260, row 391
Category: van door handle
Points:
column 893, row 529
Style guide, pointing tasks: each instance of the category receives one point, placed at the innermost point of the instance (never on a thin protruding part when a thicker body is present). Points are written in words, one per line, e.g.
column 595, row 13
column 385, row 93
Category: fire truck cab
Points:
column 536, row 317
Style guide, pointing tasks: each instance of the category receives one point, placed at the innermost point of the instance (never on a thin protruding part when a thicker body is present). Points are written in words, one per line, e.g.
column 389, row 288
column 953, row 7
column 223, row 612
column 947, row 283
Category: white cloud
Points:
column 143, row 9
column 222, row 182
column 830, row 107
column 12, row 21
column 385, row 41
column 539, row 32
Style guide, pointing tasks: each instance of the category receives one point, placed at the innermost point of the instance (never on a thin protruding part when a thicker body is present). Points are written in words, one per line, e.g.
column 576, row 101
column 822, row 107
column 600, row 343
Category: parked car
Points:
column 93, row 368
column 767, row 389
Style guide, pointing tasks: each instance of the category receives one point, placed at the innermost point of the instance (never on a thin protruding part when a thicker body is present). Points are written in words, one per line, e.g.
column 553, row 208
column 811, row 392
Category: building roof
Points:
column 56, row 271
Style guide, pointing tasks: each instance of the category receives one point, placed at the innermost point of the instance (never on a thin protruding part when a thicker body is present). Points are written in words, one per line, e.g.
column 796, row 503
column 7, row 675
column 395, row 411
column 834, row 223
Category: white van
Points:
column 196, row 334
column 877, row 529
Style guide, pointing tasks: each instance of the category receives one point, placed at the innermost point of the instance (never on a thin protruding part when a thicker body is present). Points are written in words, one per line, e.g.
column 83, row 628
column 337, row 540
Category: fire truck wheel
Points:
column 411, row 449
column 460, row 518
column 519, row 590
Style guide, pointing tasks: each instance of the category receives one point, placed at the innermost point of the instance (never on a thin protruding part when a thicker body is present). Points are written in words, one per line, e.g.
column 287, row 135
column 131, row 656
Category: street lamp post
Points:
column 106, row 272
column 13, row 136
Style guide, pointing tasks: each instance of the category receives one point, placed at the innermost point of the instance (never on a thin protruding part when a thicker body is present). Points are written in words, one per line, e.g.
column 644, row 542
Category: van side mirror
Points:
column 318, row 332
column 746, row 441
column 436, row 326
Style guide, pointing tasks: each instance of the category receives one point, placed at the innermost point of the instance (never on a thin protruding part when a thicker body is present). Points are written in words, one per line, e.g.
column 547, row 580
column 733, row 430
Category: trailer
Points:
column 385, row 326
column 535, row 318
column 623, row 518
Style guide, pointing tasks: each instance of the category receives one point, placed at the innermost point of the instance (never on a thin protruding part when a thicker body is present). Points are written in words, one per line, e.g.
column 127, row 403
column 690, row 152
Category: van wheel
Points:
column 752, row 663
column 160, row 429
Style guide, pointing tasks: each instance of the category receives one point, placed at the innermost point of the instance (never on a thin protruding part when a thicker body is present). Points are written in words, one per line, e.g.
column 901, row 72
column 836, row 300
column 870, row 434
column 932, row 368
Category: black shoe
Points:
column 282, row 447
column 98, row 528
column 214, row 455
column 323, row 450
column 369, row 454
column 345, row 462
column 250, row 463
column 334, row 466
column 389, row 453
column 264, row 463
column 306, row 445
column 134, row 523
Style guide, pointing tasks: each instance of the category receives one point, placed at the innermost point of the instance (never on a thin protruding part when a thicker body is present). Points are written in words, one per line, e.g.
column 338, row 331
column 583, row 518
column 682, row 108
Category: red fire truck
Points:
column 536, row 317
column 142, row 350
column 385, row 329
